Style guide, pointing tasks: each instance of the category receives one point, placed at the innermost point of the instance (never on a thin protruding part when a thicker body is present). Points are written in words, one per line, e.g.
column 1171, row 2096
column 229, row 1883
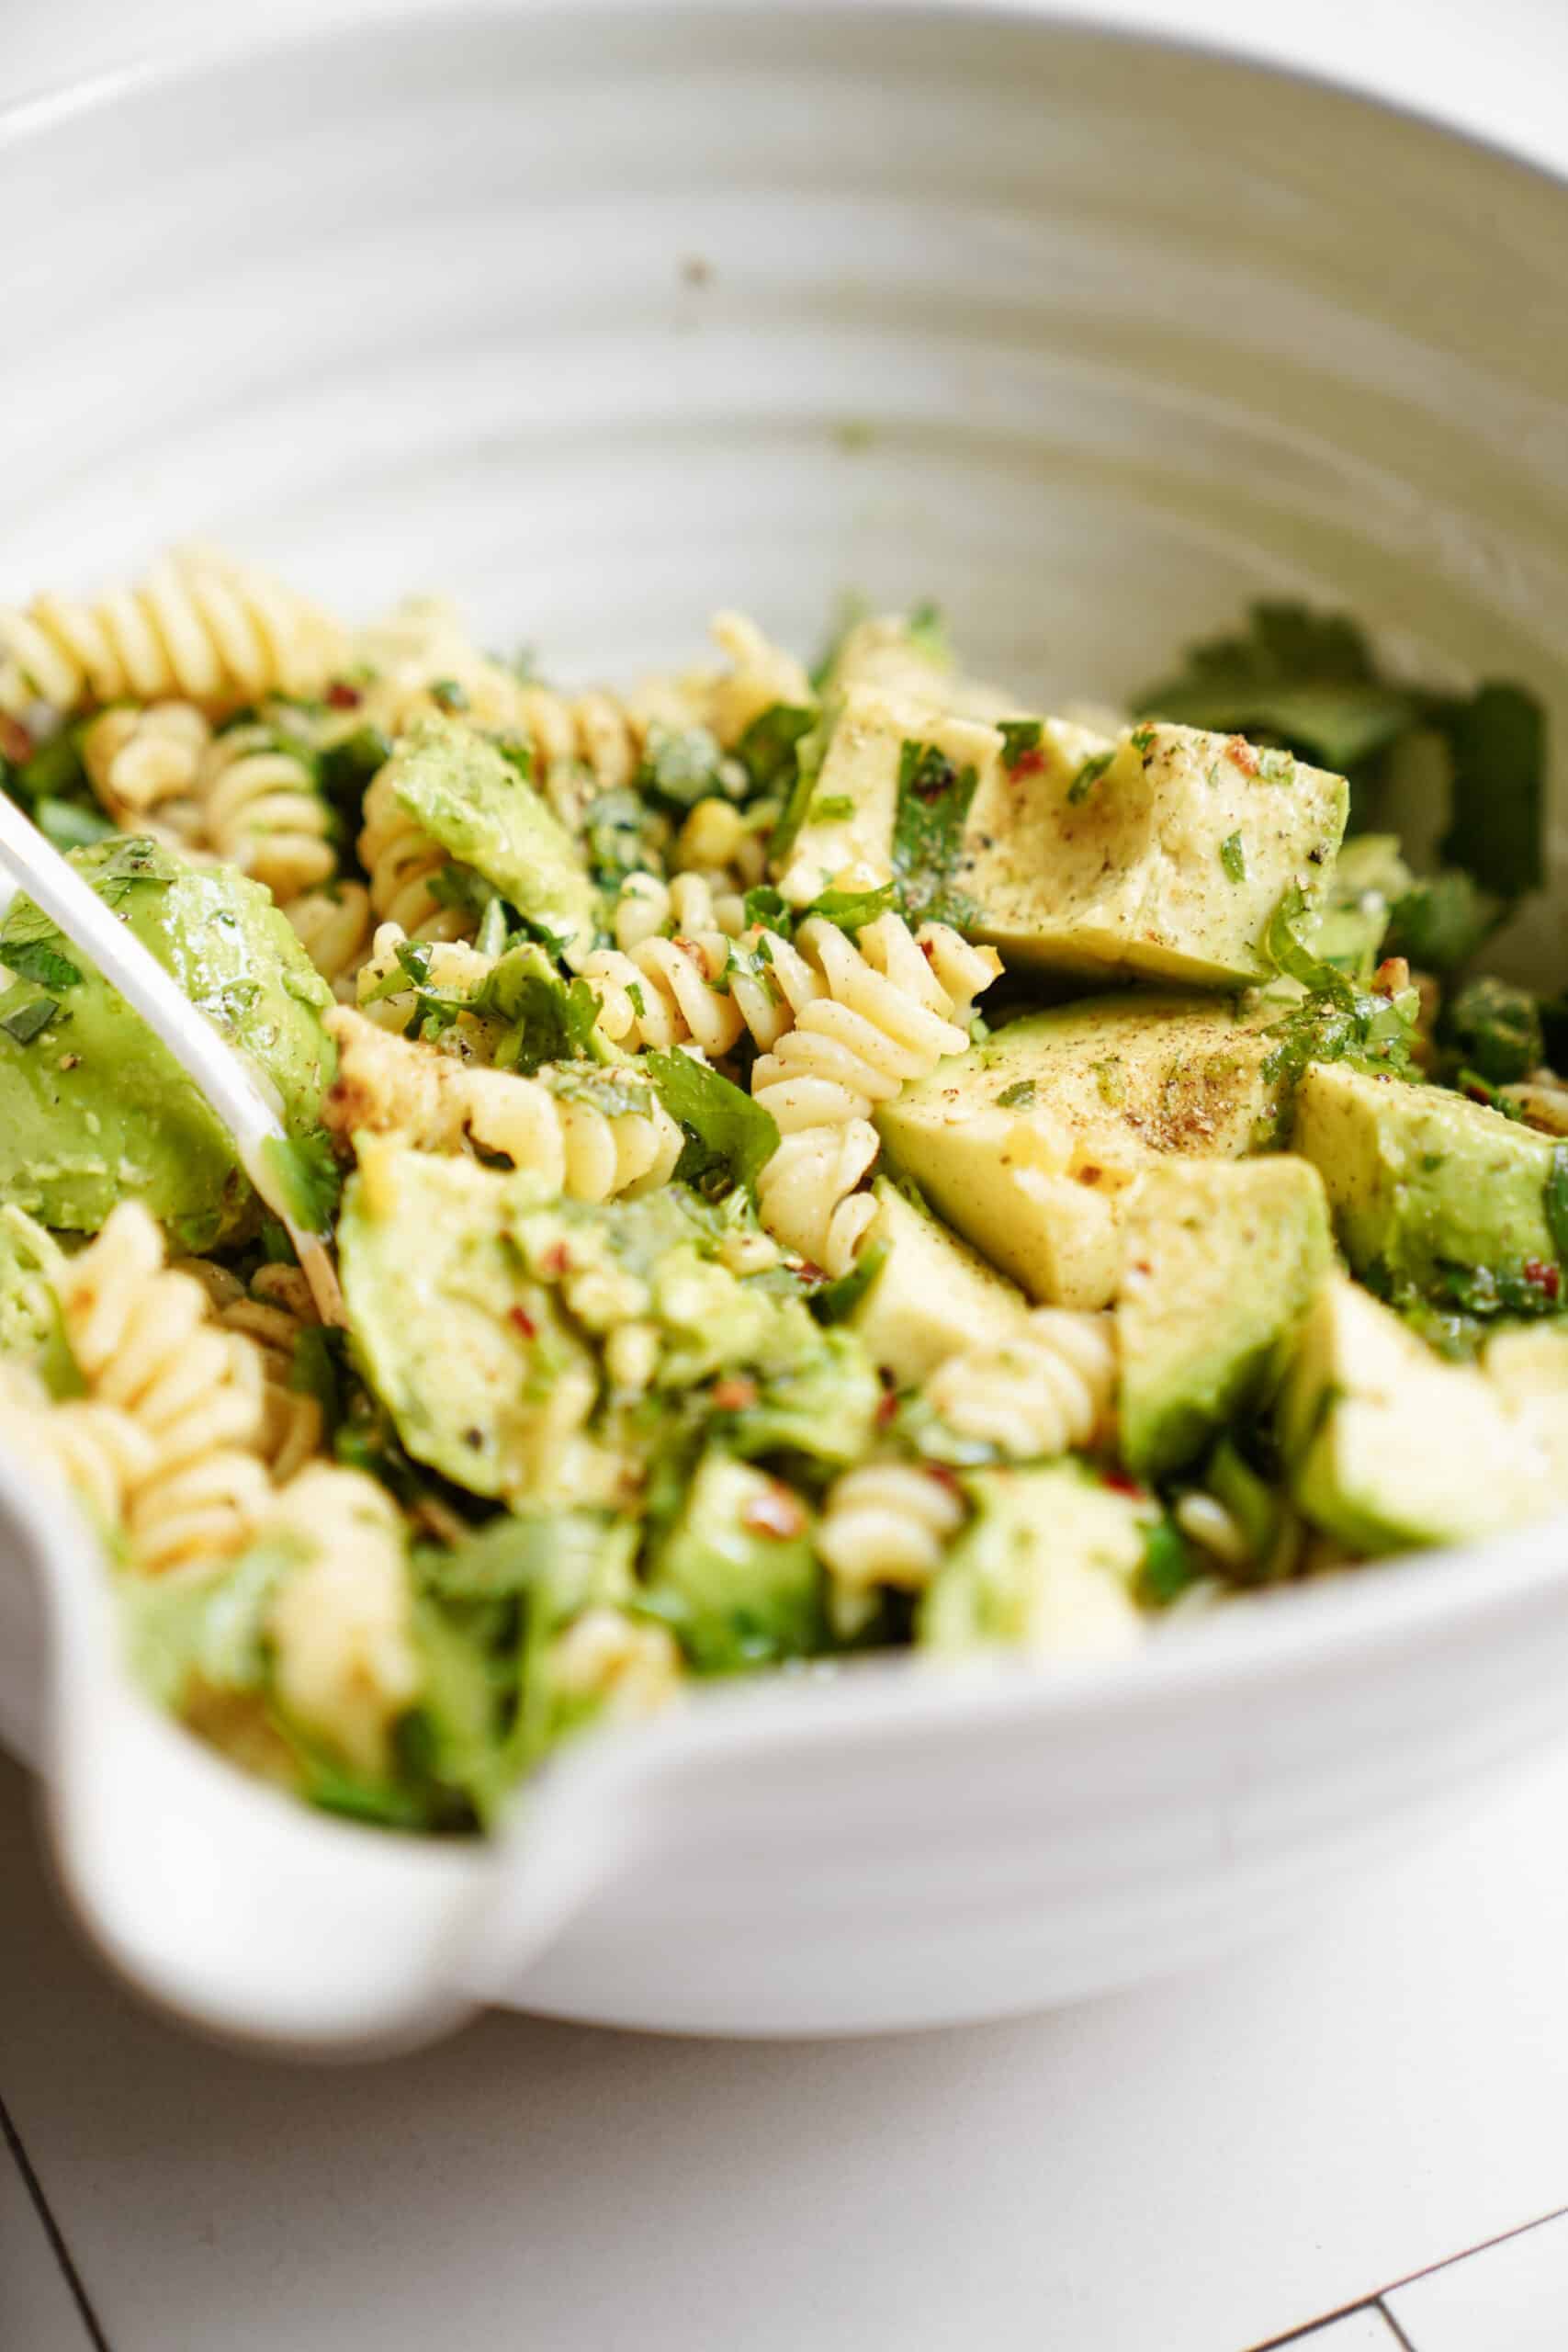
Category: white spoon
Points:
column 205, row 1056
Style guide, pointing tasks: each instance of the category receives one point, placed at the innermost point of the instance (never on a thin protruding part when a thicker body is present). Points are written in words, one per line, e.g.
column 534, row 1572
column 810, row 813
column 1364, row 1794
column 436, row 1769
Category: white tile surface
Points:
column 1508, row 2298
column 1362, row 2332
column 1198, row 2167
column 37, row 2312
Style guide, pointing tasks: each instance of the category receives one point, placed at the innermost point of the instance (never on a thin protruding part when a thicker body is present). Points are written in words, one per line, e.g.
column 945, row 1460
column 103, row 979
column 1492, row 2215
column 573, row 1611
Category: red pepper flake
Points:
column 778, row 1512
column 1240, row 754
column 943, row 1476
column 1120, row 1483
column 886, row 1407
column 927, row 946
column 1545, row 1279
column 1027, row 764
column 523, row 1321
column 341, row 696
column 557, row 1261
column 807, row 1272
column 735, row 1395
column 16, row 743
column 690, row 947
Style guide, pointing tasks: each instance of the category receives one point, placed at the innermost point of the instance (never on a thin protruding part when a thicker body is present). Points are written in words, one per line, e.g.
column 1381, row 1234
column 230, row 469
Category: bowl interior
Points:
column 600, row 319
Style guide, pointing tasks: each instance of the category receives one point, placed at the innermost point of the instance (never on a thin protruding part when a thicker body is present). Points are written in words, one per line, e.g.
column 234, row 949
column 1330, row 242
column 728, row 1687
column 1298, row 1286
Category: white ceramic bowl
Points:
column 602, row 319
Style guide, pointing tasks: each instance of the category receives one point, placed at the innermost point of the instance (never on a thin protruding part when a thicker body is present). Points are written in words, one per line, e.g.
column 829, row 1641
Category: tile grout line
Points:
column 1393, row 2324
column 52, row 2230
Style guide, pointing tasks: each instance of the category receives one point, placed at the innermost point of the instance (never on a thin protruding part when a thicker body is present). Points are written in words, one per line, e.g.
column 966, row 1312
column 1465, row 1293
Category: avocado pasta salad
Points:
column 817, row 1162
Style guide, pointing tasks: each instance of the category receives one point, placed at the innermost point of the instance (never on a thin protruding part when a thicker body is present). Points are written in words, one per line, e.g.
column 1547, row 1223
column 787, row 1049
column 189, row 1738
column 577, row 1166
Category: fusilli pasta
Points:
column 344, row 1663
column 262, row 811
column 883, row 1018
column 198, row 626
column 146, row 1343
column 888, row 1522
column 1048, row 1392
column 387, row 1084
column 400, row 857
column 806, row 1194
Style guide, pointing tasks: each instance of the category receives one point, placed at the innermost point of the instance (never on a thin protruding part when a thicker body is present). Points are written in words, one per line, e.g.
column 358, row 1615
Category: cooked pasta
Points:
column 342, row 1622
column 199, row 627
column 146, row 1343
column 144, row 764
column 883, row 1017
column 273, row 1311
column 388, row 1085
column 1045, row 1393
column 808, row 1195
column 261, row 810
column 334, row 925
column 889, row 1522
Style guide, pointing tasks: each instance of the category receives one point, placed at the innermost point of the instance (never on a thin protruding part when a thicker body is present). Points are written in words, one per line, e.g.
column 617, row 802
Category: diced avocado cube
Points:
column 1047, row 1566
column 482, row 1375
column 471, row 799
column 1422, row 1180
column 849, row 820
column 92, row 1108
column 1161, row 854
column 933, row 1295
column 1527, row 1368
column 736, row 1578
column 1222, row 1261
column 1370, row 877
column 1387, row 1446
column 1026, row 1143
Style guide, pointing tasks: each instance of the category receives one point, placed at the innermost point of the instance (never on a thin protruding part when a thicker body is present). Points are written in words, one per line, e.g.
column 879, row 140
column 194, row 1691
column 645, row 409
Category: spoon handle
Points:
column 207, row 1061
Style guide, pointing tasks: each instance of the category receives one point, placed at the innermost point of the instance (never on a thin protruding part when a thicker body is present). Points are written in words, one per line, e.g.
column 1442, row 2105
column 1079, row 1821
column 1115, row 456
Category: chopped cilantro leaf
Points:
column 1233, row 857
column 928, row 834
column 29, row 1020
column 831, row 806
column 767, row 748
column 307, row 1177
column 1555, row 1197
column 1089, row 776
column 730, row 1138
column 1017, row 1097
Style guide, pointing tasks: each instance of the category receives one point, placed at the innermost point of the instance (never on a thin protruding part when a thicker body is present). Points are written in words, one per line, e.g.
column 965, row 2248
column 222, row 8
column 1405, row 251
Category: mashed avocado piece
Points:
column 1222, row 1261
column 471, row 799
column 92, row 1109
column 1386, row 1446
column 1047, row 1566
column 736, row 1578
column 1426, row 1186
column 1026, row 1142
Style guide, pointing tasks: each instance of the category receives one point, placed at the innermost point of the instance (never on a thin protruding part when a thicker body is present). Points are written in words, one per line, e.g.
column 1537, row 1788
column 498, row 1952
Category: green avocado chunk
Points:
column 1386, row 1446
column 472, row 1356
column 933, row 1294
column 1222, row 1261
column 1026, row 1142
column 1047, row 1566
column 471, row 799
column 1425, row 1184
column 1161, row 854
column 736, row 1578
column 92, row 1109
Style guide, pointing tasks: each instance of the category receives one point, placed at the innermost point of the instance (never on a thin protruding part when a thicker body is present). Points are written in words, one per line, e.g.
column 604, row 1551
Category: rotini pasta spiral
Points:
column 141, row 760
column 98, row 1451
column 388, row 1085
column 263, row 813
column 146, row 1343
column 198, row 626
column 400, row 857
column 685, row 907
column 345, row 1662
column 695, row 987
column 808, row 1196
column 1045, row 1393
column 272, row 1312
column 888, row 1522
column 631, row 1667
column 333, row 925
column 454, row 966
column 883, row 1017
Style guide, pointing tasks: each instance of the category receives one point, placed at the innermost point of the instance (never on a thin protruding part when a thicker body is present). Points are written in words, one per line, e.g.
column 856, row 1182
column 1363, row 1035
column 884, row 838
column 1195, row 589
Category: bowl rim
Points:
column 1360, row 1618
